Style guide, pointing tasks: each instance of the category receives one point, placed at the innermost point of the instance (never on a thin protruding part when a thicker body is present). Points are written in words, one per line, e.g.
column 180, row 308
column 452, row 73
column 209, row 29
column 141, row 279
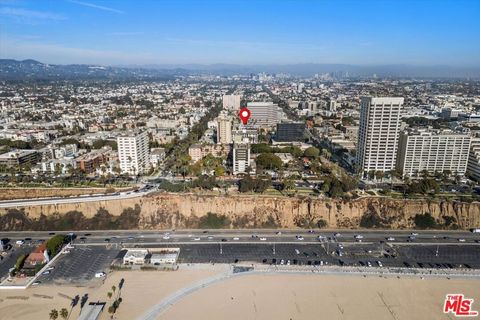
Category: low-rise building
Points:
column 135, row 256
column 198, row 151
column 293, row 131
column 36, row 258
column 157, row 155
column 92, row 160
column 20, row 158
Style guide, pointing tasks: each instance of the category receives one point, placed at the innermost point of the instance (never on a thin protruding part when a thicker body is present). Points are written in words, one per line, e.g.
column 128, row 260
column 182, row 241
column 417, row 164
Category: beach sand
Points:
column 322, row 297
column 269, row 296
column 141, row 290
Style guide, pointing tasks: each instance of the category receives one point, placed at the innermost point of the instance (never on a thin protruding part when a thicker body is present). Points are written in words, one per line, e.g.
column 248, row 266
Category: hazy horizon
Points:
column 188, row 32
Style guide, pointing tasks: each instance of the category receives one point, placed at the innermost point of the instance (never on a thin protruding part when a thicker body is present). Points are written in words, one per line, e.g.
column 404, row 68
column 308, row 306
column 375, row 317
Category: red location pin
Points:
column 244, row 115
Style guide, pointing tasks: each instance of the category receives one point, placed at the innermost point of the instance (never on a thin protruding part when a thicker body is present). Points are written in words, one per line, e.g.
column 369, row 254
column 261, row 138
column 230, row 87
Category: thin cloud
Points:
column 124, row 34
column 30, row 14
column 96, row 6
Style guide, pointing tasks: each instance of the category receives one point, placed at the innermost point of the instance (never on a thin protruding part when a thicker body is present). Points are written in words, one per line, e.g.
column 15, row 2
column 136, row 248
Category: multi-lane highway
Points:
column 258, row 236
column 94, row 251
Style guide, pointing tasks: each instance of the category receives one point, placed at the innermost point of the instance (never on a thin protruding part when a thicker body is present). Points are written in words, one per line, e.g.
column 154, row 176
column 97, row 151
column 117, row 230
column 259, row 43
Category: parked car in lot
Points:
column 20, row 242
column 100, row 274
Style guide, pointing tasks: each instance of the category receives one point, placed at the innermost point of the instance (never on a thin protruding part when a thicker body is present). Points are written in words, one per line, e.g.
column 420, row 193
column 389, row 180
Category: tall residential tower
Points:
column 133, row 152
column 378, row 134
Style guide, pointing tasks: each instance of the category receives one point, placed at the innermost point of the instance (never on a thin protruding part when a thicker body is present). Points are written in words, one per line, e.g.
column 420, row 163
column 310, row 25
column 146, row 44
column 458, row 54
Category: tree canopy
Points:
column 269, row 161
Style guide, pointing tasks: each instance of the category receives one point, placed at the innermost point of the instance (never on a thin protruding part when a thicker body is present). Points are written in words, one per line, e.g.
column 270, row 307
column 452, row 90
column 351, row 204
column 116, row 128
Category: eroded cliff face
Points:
column 162, row 210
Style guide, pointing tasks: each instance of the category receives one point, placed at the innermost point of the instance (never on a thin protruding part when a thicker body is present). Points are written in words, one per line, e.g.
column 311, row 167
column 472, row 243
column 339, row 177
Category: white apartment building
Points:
column 133, row 152
column 231, row 102
column 378, row 133
column 241, row 157
column 240, row 135
column 433, row 151
column 224, row 130
column 473, row 166
column 263, row 113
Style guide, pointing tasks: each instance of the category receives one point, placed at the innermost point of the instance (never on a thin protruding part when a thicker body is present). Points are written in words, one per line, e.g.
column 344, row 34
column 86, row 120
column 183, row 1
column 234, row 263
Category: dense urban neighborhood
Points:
column 330, row 135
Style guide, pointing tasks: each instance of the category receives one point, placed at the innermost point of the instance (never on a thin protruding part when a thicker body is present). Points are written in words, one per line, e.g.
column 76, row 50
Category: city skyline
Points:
column 265, row 32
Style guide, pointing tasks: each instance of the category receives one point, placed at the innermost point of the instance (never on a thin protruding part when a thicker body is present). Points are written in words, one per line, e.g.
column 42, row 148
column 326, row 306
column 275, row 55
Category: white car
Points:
column 414, row 233
column 20, row 242
column 390, row 239
column 36, row 283
column 46, row 272
column 358, row 236
column 210, row 237
column 297, row 251
column 461, row 240
column 263, row 239
column 299, row 238
column 100, row 274
column 196, row 239
column 337, row 235
column 236, row 238
column 379, row 263
column 166, row 237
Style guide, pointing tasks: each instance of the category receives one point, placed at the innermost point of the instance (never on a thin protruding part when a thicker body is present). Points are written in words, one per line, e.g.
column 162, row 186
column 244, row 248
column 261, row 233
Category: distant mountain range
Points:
column 34, row 70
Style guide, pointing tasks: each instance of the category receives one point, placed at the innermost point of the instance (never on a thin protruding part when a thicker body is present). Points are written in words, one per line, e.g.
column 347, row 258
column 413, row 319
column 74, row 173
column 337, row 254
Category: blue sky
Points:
column 418, row 32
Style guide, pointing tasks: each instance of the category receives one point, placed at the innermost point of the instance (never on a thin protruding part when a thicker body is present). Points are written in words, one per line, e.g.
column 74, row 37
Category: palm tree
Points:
column 53, row 314
column 64, row 313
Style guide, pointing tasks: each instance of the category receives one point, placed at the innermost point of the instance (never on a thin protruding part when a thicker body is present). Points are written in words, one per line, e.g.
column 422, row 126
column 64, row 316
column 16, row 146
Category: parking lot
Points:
column 457, row 256
column 9, row 259
column 80, row 265
column 351, row 254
